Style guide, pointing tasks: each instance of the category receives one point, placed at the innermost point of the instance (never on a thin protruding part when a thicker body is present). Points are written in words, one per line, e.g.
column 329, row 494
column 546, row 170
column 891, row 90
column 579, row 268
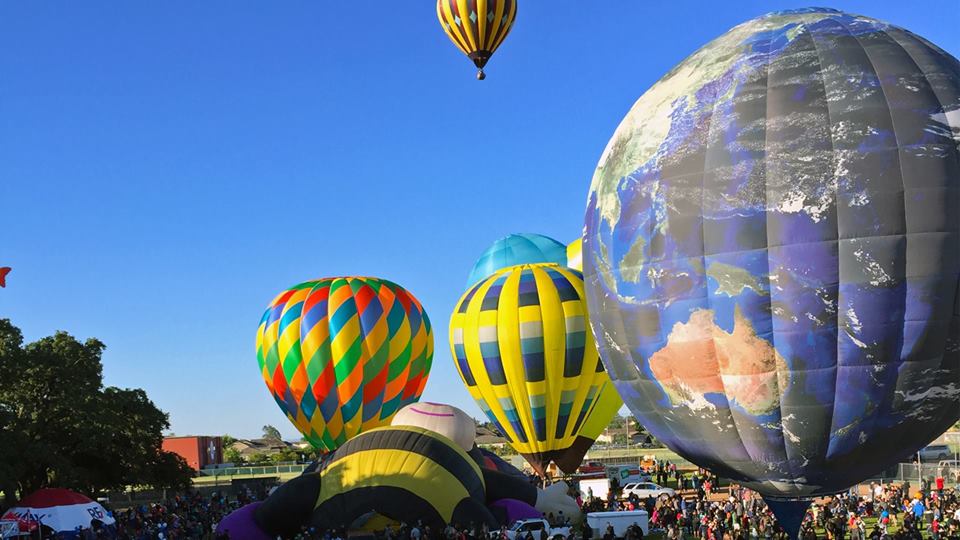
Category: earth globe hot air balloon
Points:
column 477, row 27
column 522, row 347
column 343, row 355
column 771, row 253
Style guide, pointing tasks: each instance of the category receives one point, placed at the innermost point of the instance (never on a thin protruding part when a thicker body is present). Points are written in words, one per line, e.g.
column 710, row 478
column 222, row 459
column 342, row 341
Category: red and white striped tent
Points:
column 60, row 509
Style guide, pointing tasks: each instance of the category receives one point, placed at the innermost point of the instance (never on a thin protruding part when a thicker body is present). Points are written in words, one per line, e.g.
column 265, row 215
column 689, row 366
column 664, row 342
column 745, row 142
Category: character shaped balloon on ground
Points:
column 342, row 355
column 771, row 252
column 423, row 468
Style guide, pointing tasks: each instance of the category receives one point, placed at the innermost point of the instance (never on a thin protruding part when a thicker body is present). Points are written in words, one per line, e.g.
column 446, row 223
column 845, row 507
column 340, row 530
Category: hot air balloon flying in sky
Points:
column 522, row 347
column 4, row 270
column 771, row 253
column 477, row 27
column 342, row 355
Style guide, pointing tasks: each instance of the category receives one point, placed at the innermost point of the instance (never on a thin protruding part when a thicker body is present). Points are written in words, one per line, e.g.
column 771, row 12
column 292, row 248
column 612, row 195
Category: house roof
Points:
column 488, row 436
column 259, row 445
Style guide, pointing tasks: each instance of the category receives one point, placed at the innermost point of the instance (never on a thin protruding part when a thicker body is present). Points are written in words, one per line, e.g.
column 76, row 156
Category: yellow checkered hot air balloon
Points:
column 521, row 342
column 477, row 27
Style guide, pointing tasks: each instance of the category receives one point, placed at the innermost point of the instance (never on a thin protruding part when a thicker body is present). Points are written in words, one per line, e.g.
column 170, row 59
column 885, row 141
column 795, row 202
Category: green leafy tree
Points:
column 257, row 458
column 67, row 429
column 232, row 455
column 271, row 433
column 287, row 454
column 168, row 471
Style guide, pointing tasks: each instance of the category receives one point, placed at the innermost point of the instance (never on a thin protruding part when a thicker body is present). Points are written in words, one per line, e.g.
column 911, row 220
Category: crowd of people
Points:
column 886, row 512
column 185, row 516
column 696, row 510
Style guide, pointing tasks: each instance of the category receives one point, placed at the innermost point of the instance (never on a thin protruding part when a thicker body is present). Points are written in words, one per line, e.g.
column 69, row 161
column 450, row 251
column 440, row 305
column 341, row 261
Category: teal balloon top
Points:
column 514, row 249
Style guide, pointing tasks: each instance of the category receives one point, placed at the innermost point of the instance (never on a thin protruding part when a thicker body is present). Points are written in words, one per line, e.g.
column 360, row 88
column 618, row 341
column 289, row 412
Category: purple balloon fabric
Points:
column 240, row 525
column 516, row 509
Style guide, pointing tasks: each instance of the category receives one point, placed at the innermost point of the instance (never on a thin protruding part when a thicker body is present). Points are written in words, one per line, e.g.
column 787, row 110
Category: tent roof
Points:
column 48, row 497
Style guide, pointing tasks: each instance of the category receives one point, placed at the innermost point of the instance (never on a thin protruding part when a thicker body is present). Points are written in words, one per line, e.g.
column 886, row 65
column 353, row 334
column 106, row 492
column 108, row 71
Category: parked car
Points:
column 950, row 468
column 520, row 528
column 646, row 489
column 935, row 452
column 588, row 467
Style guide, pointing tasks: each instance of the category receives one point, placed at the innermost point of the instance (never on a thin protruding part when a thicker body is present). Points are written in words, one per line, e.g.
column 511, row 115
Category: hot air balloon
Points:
column 575, row 254
column 608, row 400
column 477, row 27
column 342, row 355
column 514, row 249
column 521, row 346
column 771, row 253
column 4, row 270
column 405, row 473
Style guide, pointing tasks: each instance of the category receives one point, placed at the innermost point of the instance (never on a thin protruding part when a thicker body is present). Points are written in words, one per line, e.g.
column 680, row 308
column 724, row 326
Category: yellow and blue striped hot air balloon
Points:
column 608, row 400
column 477, row 27
column 342, row 355
column 521, row 342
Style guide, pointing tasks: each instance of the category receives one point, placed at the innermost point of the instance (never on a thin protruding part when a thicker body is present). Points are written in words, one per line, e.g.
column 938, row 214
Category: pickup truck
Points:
column 519, row 529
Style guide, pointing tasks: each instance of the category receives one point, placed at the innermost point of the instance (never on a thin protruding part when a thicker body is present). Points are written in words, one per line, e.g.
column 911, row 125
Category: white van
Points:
column 598, row 521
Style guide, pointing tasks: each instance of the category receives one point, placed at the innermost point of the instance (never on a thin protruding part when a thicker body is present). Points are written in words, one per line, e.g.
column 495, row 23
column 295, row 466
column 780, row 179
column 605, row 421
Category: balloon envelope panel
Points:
column 514, row 249
column 608, row 401
column 342, row 355
column 771, row 251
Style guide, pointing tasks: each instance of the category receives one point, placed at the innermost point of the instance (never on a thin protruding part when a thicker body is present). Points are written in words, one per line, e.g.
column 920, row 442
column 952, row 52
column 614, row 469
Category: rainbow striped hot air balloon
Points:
column 342, row 355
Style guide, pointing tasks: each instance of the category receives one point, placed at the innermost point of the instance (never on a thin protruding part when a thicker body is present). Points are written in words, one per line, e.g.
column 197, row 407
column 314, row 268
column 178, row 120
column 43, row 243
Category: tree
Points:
column 232, row 455
column 287, row 454
column 168, row 471
column 257, row 458
column 271, row 433
column 68, row 430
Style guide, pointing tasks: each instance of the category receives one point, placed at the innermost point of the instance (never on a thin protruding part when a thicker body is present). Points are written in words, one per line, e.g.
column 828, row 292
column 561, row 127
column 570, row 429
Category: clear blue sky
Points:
column 167, row 168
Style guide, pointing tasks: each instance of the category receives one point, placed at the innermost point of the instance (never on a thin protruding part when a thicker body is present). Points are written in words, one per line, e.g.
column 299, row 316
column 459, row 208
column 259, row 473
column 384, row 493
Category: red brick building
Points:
column 197, row 450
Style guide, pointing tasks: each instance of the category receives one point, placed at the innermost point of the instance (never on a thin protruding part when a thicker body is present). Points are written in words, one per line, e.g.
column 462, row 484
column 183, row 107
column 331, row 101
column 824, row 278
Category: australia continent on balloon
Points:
column 701, row 358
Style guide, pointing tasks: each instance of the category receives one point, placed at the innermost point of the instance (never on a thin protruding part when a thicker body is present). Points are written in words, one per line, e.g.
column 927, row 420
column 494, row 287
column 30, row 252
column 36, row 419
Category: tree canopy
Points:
column 271, row 433
column 62, row 428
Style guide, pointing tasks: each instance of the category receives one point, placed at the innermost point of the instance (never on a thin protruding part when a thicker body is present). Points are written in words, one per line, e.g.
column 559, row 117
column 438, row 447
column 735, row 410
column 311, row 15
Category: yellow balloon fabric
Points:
column 575, row 254
column 477, row 27
column 401, row 472
column 521, row 342
column 608, row 400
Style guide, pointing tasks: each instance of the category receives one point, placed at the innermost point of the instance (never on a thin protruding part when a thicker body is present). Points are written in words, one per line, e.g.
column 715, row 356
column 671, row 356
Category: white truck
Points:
column 595, row 487
column 519, row 529
column 598, row 521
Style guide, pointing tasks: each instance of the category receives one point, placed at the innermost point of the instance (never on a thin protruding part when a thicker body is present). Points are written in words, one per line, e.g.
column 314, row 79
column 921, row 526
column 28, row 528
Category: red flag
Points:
column 3, row 275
